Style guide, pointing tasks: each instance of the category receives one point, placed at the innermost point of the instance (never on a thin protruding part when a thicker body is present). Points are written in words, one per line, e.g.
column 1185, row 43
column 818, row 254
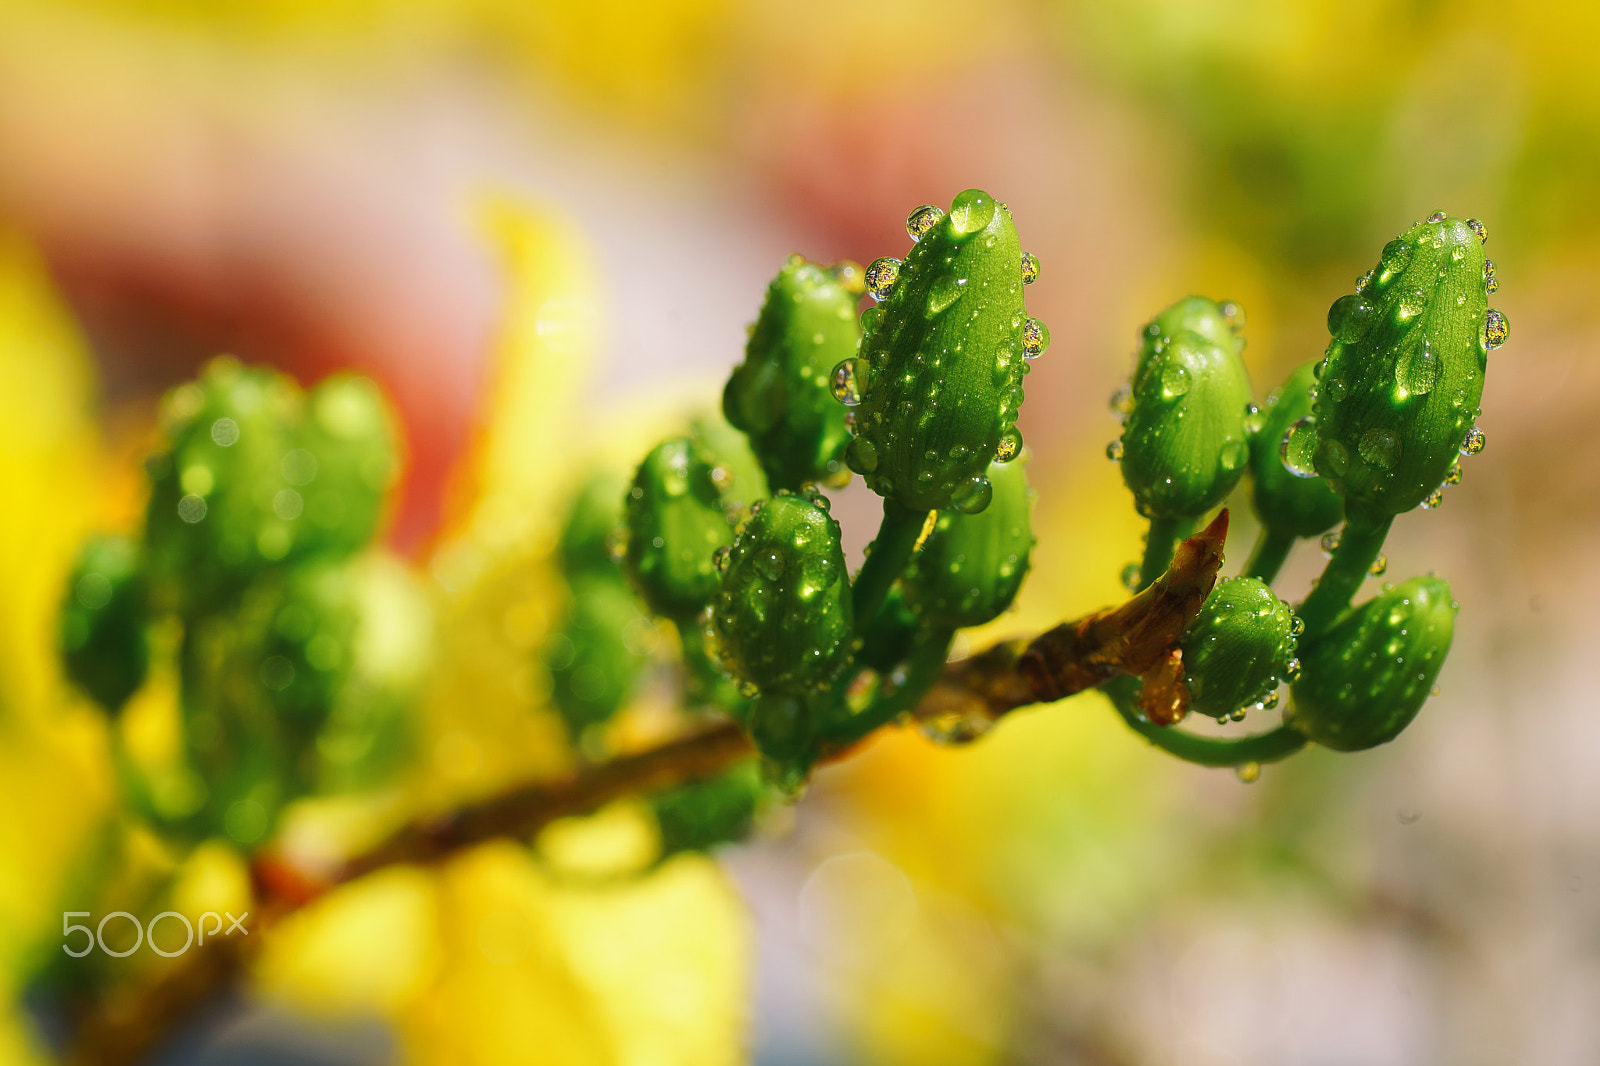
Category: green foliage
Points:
column 1368, row 676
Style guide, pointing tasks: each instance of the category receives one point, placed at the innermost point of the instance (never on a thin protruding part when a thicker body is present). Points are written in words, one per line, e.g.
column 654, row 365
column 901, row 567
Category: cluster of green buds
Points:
column 733, row 540
column 296, row 648
column 1375, row 428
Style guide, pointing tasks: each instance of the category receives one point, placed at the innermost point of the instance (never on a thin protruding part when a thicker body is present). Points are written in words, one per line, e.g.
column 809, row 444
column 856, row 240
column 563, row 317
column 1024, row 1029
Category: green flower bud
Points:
column 342, row 469
column 675, row 522
column 782, row 616
column 593, row 521
column 103, row 639
column 720, row 809
column 594, row 656
column 971, row 566
column 1287, row 502
column 1239, row 648
column 780, row 395
column 1364, row 680
column 1220, row 322
column 939, row 379
column 252, row 478
column 1185, row 442
column 735, row 470
column 1400, row 384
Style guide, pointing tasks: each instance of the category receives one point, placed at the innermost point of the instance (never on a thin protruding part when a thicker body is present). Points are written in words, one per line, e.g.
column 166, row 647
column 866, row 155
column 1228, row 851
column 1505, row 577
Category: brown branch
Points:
column 1135, row 637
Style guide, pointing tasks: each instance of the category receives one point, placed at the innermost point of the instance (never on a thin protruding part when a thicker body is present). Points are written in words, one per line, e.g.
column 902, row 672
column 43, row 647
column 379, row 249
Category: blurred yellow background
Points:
column 530, row 222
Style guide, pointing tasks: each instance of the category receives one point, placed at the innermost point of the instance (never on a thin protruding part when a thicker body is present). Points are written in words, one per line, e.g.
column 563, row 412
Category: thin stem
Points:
column 1359, row 544
column 1275, row 744
column 891, row 551
column 923, row 666
column 1158, row 546
column 1272, row 548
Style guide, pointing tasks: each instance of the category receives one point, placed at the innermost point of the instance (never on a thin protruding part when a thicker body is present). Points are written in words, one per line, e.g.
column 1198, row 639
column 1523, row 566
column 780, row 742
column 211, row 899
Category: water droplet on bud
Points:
column 847, row 377
column 1114, row 451
column 923, row 219
column 1474, row 442
column 1030, row 268
column 881, row 276
column 1298, row 448
column 1495, row 329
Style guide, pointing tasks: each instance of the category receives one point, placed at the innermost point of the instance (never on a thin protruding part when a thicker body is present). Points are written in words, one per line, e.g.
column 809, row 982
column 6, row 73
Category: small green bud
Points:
column 103, row 639
column 1400, row 384
column 972, row 565
column 594, row 656
column 1365, row 679
column 1185, row 442
column 780, row 395
column 675, row 522
column 942, row 358
column 782, row 615
column 1219, row 321
column 720, row 809
column 735, row 470
column 254, row 476
column 594, row 521
column 1289, row 502
column 342, row 469
column 1238, row 649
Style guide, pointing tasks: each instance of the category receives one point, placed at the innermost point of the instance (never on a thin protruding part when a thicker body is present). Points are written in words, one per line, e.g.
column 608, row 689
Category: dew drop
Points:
column 1396, row 255
column 720, row 557
column 972, row 495
column 769, row 564
column 944, row 292
column 1234, row 455
column 1379, row 565
column 1035, row 338
column 1232, row 314
column 1350, row 317
column 1329, row 543
column 1474, row 442
column 1332, row 390
column 970, row 212
column 1122, row 400
column 1478, row 227
column 1411, row 304
column 1334, row 456
column 847, row 376
column 1418, row 369
column 923, row 219
column 1291, row 669
column 1433, row 499
column 1174, row 380
column 1010, row 446
column 1453, row 475
column 1248, row 772
column 1130, row 577
column 1364, row 282
column 1491, row 284
column 1297, row 449
column 1437, row 216
column 881, row 276
column 1030, row 268
column 1495, row 329
column 1380, row 448
column 1114, row 451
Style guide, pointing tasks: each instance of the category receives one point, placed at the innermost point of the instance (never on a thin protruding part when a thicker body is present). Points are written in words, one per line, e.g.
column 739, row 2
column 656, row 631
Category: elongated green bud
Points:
column 595, row 656
column 1365, row 679
column 1288, row 502
column 1400, row 384
column 675, row 522
column 780, row 395
column 1219, row 321
column 939, row 380
column 1185, row 443
column 103, row 618
column 972, row 565
column 782, row 616
column 1239, row 649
